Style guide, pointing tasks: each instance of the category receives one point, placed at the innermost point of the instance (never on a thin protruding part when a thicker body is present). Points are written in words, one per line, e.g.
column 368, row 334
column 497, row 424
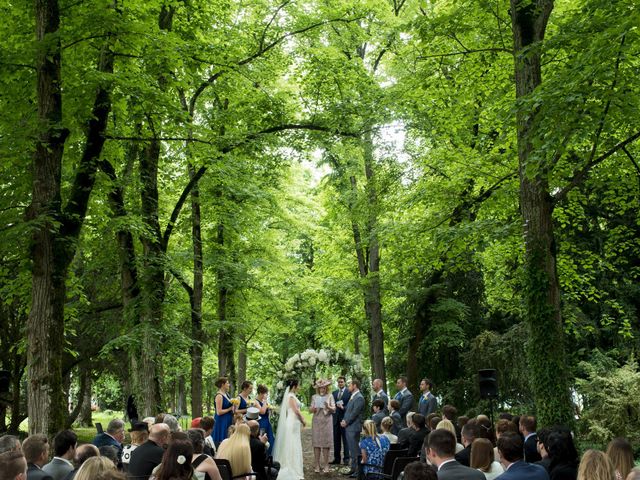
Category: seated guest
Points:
column 451, row 413
column 64, row 448
column 83, row 453
column 236, row 449
column 149, row 455
column 416, row 439
column 36, row 452
column 503, row 426
column 259, row 456
column 595, row 465
column 10, row 443
column 172, row 422
column 527, row 427
column 441, row 449
column 378, row 413
column 485, row 429
column 205, row 467
column 634, row 474
column 447, row 425
column 394, row 413
column 543, row 437
column 110, row 452
column 469, row 434
column 139, row 433
column 373, row 448
column 563, row 455
column 206, row 424
column 511, row 448
column 386, row 425
column 419, row 471
column 405, row 434
column 482, row 458
column 114, row 436
column 94, row 467
column 620, row 452
column 176, row 462
column 434, row 420
column 13, row 465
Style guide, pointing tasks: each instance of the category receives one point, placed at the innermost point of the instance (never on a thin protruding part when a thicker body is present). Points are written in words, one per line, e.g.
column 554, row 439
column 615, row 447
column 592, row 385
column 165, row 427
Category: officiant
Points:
column 322, row 406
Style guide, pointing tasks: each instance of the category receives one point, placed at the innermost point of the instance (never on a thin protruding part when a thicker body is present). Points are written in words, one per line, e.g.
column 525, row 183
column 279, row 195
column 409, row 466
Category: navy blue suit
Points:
column 339, row 433
column 103, row 440
column 524, row 471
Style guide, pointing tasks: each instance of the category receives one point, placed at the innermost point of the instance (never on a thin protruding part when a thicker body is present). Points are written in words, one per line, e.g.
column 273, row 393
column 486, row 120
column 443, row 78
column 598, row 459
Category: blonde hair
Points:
column 93, row 467
column 481, row 454
column 386, row 424
column 369, row 429
column 447, row 425
column 620, row 452
column 595, row 465
column 236, row 449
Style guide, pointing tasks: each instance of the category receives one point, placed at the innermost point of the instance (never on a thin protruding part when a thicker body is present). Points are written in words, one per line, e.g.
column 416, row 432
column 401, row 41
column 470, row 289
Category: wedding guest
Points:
column 380, row 394
column 386, row 425
column 373, row 448
column 419, row 471
column 83, row 453
column 620, row 452
column 482, row 459
column 405, row 397
column 440, row 452
column 236, row 449
column 64, row 449
column 259, row 457
column 405, row 433
column 433, row 422
column 93, row 467
column 503, row 426
column 341, row 397
column 469, row 434
column 206, row 425
column 428, row 402
column 451, row 413
column 420, row 431
column 595, row 465
column 485, row 429
column 176, row 462
column 543, row 437
column 172, row 422
column 394, row 414
column 322, row 407
column 114, row 436
column 243, row 397
column 13, row 465
column 201, row 462
column 10, row 443
column 149, row 455
column 447, row 425
column 563, row 454
column 224, row 411
column 511, row 449
column 36, row 452
column 634, row 474
column 378, row 412
column 139, row 433
column 265, row 412
column 110, row 452
column 527, row 426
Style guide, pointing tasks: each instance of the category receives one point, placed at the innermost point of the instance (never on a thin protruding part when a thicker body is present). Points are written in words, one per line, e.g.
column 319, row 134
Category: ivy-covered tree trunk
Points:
column 226, row 360
column 546, row 352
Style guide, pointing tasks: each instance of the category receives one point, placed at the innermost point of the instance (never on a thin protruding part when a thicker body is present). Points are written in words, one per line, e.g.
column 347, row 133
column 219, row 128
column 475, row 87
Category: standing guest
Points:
column 441, row 448
column 373, row 448
column 378, row 413
column 405, row 397
column 469, row 434
column 503, row 426
column 595, row 465
column 428, row 402
column 204, row 466
column 36, row 452
column 93, row 467
column 511, row 449
column 380, row 394
column 64, row 448
column 224, row 411
column 352, row 423
column 114, row 436
column 149, row 455
column 265, row 412
column 543, row 437
column 243, row 397
column 386, row 425
column 420, row 431
column 563, row 454
column 394, row 406
column 176, row 462
column 237, row 450
column 620, row 452
column 447, row 425
column 341, row 397
column 83, row 453
column 322, row 407
column 482, row 458
column 139, row 433
column 13, row 465
column 10, row 443
column 419, row 471
column 528, row 430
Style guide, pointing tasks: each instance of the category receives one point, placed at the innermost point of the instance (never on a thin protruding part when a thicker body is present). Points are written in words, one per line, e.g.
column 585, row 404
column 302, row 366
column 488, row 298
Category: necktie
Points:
column 340, row 395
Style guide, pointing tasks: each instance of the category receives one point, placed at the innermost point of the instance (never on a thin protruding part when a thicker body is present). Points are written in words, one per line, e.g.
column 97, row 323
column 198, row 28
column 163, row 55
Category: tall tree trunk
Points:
column 546, row 352
column 226, row 360
column 85, row 411
column 242, row 362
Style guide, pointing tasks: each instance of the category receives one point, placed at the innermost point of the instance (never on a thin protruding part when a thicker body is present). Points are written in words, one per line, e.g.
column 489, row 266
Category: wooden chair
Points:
column 387, row 466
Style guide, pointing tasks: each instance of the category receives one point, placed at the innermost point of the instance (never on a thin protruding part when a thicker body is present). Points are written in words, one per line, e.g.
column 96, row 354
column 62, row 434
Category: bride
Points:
column 288, row 447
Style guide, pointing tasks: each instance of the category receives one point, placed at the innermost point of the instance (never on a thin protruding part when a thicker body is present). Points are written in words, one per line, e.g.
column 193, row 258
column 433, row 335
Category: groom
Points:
column 341, row 397
column 352, row 424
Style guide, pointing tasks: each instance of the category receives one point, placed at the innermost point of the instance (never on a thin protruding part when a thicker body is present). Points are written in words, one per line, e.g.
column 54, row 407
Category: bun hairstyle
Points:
column 221, row 381
column 292, row 382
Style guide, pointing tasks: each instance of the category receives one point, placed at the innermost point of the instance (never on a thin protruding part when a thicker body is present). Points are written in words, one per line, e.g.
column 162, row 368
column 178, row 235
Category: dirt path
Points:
column 309, row 462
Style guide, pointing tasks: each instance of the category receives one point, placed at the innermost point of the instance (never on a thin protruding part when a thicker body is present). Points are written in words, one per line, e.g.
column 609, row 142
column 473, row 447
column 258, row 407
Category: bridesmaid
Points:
column 243, row 397
column 265, row 423
column 224, row 412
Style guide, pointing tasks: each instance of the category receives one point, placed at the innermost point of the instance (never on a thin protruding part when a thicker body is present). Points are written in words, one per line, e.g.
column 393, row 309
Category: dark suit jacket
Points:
column 404, row 437
column 455, row 471
column 464, row 456
column 35, row 473
column 258, row 457
column 416, row 440
column 531, row 454
column 563, row 471
column 346, row 396
column 106, row 440
column 57, row 468
column 545, row 462
column 524, row 471
column 145, row 458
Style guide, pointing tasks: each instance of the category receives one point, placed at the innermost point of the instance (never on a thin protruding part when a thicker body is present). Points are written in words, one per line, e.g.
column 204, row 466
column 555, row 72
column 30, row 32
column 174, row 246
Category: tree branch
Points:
column 465, row 52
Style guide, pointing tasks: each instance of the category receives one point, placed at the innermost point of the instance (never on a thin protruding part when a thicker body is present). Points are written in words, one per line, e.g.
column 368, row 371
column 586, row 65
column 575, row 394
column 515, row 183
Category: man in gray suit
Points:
column 352, row 423
column 64, row 449
column 440, row 451
column 405, row 397
column 428, row 402
column 36, row 452
column 380, row 394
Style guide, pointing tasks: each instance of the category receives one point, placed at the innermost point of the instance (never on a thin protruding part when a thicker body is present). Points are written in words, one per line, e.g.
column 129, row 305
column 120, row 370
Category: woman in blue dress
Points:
column 373, row 448
column 224, row 412
column 265, row 423
column 243, row 397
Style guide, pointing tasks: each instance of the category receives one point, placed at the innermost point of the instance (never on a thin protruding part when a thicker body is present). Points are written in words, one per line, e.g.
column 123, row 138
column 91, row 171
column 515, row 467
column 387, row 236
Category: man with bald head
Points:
column 380, row 394
column 149, row 455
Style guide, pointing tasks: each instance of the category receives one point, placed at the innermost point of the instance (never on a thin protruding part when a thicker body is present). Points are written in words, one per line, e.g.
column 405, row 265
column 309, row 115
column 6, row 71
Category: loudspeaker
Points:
column 5, row 381
column 488, row 383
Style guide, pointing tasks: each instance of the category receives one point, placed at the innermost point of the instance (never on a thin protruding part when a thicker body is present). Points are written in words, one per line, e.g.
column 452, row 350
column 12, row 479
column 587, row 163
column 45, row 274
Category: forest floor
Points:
column 309, row 461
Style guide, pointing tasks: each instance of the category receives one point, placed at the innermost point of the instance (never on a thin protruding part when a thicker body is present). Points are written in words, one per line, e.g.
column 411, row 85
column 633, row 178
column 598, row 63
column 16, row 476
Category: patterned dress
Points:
column 322, row 423
column 375, row 452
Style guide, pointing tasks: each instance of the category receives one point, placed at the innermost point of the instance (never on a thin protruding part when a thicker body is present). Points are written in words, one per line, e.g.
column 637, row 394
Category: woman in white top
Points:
column 482, row 459
column 386, row 425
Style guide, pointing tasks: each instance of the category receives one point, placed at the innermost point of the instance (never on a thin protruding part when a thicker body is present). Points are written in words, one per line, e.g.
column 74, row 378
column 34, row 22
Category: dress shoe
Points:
column 346, row 461
column 335, row 462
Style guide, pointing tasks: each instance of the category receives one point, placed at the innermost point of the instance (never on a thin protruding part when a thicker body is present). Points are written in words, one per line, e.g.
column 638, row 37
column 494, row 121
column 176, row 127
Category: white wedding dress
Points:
column 288, row 444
